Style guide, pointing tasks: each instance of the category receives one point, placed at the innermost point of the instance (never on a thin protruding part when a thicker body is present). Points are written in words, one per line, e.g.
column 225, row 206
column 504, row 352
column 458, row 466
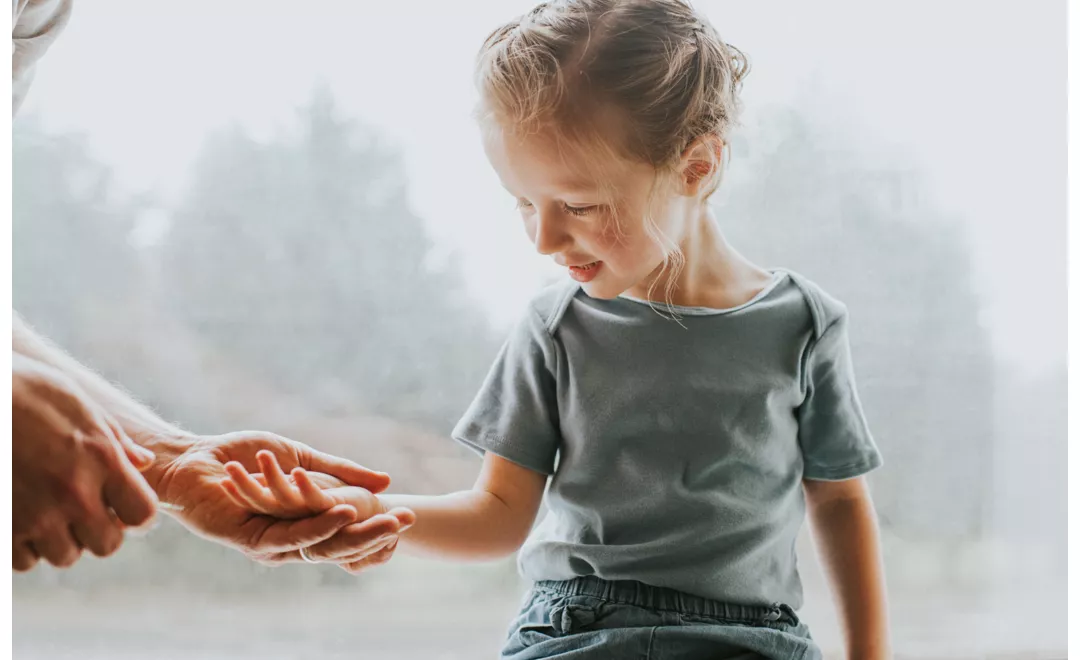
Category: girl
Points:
column 682, row 406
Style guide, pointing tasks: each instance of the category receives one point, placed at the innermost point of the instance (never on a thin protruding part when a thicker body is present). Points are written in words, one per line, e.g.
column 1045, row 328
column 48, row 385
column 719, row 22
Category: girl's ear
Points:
column 700, row 164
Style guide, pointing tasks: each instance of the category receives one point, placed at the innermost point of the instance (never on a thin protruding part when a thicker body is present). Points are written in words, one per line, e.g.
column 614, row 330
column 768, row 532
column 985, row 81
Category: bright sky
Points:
column 973, row 91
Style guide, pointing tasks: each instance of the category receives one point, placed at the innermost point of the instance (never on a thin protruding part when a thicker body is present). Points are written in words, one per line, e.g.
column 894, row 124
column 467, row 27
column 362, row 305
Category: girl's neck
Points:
column 713, row 273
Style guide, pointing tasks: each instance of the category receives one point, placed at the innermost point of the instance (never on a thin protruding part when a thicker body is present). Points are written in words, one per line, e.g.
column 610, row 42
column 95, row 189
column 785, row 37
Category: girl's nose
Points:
column 549, row 236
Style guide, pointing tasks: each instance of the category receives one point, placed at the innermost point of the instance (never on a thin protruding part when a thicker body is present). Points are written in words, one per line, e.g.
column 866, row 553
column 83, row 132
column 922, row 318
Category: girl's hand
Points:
column 297, row 495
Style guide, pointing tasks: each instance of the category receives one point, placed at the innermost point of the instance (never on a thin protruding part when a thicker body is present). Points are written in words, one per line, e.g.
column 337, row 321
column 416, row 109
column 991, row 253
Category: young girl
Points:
column 682, row 406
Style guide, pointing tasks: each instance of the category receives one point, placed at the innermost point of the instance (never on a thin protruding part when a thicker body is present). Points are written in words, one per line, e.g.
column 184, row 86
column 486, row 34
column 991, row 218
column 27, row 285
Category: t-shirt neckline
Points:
column 777, row 277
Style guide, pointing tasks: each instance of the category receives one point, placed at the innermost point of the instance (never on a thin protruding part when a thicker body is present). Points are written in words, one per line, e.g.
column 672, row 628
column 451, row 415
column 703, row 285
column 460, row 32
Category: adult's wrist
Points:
column 167, row 449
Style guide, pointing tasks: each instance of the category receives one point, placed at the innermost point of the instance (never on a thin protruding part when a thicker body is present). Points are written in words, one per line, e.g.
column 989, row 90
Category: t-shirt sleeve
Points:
column 515, row 414
column 833, row 433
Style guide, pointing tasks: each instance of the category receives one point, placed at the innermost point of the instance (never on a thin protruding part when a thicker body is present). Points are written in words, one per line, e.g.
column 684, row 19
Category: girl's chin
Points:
column 602, row 290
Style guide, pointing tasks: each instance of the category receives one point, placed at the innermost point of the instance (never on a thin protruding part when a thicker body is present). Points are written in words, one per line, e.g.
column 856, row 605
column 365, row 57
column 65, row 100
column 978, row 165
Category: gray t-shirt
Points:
column 676, row 450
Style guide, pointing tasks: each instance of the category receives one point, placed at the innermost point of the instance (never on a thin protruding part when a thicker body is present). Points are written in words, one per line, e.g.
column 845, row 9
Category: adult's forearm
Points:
column 140, row 423
column 471, row 525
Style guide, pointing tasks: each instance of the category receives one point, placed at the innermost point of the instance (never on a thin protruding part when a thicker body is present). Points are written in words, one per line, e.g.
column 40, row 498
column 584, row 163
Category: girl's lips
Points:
column 585, row 272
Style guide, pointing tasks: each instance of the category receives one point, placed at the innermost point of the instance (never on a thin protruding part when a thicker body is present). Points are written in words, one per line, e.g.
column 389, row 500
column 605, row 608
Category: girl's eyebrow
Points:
column 571, row 187
column 575, row 184
column 570, row 194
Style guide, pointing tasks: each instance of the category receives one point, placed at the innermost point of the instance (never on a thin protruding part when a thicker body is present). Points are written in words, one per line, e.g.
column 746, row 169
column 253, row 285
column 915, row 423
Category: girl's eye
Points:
column 578, row 210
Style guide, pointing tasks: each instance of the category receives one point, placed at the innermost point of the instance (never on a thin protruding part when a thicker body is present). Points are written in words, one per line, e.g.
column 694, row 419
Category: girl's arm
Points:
column 488, row 522
column 846, row 534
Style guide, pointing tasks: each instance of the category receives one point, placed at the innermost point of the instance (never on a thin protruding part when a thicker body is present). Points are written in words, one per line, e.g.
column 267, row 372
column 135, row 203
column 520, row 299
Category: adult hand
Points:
column 75, row 473
column 358, row 547
column 192, row 480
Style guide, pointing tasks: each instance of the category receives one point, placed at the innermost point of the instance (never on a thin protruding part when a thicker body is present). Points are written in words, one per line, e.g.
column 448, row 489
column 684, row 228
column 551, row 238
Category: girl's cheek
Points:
column 612, row 235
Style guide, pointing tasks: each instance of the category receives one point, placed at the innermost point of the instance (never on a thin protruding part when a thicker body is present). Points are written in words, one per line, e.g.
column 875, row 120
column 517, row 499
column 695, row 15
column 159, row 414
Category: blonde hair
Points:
column 642, row 79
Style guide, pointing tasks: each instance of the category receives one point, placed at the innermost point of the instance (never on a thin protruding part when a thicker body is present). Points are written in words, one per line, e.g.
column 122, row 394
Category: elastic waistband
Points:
column 630, row 592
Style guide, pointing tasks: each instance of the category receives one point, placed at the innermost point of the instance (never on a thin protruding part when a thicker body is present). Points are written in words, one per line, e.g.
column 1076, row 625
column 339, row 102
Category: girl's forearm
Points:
column 847, row 537
column 469, row 525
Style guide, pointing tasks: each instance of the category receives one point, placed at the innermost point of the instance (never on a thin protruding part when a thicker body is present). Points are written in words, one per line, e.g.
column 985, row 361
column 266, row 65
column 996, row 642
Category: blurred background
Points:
column 278, row 216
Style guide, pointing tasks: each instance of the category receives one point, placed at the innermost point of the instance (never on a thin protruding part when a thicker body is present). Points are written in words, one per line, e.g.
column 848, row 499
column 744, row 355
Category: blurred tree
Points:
column 301, row 260
column 72, row 268
column 78, row 278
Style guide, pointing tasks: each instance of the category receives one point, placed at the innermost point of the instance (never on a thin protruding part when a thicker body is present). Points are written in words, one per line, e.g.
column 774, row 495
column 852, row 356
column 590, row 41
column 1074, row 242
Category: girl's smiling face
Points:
column 607, row 235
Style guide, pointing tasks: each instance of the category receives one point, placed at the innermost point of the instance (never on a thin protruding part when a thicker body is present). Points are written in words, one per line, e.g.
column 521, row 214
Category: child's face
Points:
column 567, row 216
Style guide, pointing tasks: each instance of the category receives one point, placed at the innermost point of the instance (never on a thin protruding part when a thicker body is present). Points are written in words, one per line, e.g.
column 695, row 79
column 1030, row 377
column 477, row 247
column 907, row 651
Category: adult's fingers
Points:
column 99, row 533
column 58, row 547
column 357, row 538
column 339, row 553
column 357, row 554
column 140, row 457
column 128, row 494
column 405, row 516
column 349, row 472
column 371, row 561
column 374, row 550
column 23, row 556
column 286, row 535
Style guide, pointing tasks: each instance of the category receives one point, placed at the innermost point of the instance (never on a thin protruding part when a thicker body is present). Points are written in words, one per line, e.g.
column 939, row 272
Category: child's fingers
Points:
column 276, row 480
column 314, row 497
column 259, row 498
column 229, row 486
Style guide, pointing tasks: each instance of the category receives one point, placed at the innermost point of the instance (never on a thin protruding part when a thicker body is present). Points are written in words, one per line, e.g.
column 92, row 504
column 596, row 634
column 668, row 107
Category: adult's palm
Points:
column 193, row 481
